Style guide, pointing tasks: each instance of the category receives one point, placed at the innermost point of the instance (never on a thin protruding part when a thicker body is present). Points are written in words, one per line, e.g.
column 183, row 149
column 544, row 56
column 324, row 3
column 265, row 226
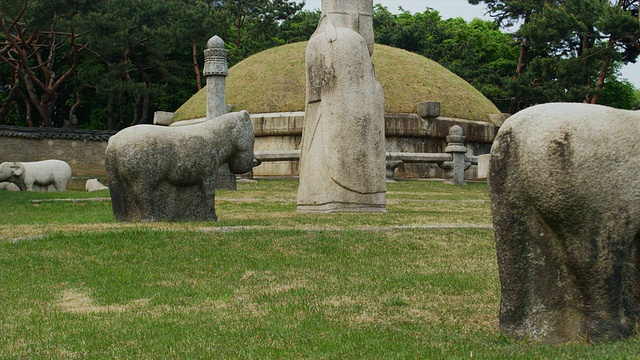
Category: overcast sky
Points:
column 461, row 8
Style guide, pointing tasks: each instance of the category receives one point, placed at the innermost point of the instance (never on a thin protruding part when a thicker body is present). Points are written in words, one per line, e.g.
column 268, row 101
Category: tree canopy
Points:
column 570, row 50
column 108, row 64
column 112, row 63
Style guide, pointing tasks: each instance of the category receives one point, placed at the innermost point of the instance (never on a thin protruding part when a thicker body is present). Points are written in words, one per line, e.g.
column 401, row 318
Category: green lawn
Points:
column 418, row 282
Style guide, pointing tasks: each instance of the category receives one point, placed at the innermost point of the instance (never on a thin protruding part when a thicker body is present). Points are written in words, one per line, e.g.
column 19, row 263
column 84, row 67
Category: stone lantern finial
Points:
column 215, row 58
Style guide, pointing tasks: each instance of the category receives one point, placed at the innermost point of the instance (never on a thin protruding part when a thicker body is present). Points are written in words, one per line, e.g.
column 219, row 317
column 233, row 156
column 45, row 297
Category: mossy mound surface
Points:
column 274, row 81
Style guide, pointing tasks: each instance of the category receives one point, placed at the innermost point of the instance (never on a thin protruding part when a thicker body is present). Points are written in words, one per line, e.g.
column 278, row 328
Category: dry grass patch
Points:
column 80, row 302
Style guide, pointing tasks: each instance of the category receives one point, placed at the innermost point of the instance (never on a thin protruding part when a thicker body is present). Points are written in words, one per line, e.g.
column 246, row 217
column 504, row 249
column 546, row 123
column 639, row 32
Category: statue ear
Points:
column 17, row 169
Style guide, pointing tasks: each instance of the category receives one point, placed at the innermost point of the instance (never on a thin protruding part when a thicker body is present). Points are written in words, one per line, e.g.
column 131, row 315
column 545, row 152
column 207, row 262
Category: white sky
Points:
column 461, row 8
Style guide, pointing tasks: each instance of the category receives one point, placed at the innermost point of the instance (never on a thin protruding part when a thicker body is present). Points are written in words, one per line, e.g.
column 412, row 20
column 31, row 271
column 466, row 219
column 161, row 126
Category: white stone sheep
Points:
column 29, row 176
column 9, row 186
column 565, row 203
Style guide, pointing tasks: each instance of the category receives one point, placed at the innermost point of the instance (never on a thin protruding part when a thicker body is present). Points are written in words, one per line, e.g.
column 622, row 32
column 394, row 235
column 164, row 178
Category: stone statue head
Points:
column 354, row 14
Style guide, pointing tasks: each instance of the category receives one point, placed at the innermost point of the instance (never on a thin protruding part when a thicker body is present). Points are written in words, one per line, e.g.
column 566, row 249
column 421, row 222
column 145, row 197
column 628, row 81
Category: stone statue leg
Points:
column 143, row 200
column 536, row 290
column 209, row 190
column 603, row 261
column 562, row 278
column 533, row 277
column 119, row 195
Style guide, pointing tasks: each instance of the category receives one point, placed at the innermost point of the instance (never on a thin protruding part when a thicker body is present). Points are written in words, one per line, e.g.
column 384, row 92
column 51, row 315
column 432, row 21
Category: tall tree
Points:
column 569, row 48
column 477, row 51
column 40, row 46
column 300, row 26
column 254, row 24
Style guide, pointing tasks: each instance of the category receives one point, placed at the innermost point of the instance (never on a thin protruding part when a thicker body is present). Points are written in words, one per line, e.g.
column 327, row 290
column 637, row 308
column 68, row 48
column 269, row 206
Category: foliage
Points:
column 137, row 56
column 111, row 63
column 254, row 25
column 264, row 282
column 39, row 50
column 300, row 26
column 569, row 50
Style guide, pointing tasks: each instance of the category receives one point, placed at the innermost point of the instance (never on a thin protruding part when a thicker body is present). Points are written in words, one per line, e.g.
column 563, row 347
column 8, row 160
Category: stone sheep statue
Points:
column 9, row 186
column 169, row 173
column 51, row 175
column 566, row 213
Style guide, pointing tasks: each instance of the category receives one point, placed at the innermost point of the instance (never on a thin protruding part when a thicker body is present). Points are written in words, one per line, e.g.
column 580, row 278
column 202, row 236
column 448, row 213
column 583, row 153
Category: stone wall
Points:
column 84, row 150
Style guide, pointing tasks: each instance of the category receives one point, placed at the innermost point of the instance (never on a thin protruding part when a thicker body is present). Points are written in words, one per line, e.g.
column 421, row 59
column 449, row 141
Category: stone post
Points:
column 391, row 168
column 454, row 169
column 216, row 70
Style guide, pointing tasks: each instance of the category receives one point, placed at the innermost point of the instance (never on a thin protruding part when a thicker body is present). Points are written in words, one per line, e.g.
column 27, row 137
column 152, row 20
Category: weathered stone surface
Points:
column 483, row 165
column 429, row 109
column 498, row 119
column 163, row 118
column 455, row 168
column 565, row 203
column 170, row 173
column 94, row 185
column 391, row 168
column 216, row 70
column 46, row 175
column 343, row 148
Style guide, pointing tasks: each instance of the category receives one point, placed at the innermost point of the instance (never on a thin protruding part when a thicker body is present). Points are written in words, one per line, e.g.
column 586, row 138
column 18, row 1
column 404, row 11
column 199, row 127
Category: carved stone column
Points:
column 216, row 71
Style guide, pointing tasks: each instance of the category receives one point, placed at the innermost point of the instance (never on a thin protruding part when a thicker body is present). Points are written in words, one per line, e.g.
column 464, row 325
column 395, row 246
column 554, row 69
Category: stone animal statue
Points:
column 566, row 211
column 39, row 175
column 9, row 186
column 169, row 173
column 94, row 185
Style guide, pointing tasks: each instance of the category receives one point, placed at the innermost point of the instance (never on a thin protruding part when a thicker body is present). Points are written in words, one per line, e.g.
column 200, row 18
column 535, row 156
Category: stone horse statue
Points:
column 169, row 173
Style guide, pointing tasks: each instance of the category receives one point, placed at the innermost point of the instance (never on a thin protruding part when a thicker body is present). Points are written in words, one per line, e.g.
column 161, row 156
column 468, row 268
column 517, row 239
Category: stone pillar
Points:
column 216, row 70
column 454, row 169
column 483, row 166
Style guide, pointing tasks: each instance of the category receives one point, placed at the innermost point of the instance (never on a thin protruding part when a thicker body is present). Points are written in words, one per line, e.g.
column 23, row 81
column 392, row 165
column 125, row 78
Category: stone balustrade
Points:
column 454, row 160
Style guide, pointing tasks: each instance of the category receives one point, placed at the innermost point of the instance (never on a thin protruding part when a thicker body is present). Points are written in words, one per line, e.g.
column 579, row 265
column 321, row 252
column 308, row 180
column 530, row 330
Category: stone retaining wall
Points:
column 82, row 149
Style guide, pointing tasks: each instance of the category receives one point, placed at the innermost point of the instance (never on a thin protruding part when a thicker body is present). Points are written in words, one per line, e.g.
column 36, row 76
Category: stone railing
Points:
column 454, row 161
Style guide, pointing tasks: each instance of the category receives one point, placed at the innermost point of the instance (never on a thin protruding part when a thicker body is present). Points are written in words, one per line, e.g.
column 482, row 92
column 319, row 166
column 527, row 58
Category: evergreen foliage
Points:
column 108, row 64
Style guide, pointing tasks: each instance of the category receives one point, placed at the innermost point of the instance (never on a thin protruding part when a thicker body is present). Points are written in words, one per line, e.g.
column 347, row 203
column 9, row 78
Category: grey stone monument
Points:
column 566, row 213
column 216, row 71
column 343, row 164
column 167, row 173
